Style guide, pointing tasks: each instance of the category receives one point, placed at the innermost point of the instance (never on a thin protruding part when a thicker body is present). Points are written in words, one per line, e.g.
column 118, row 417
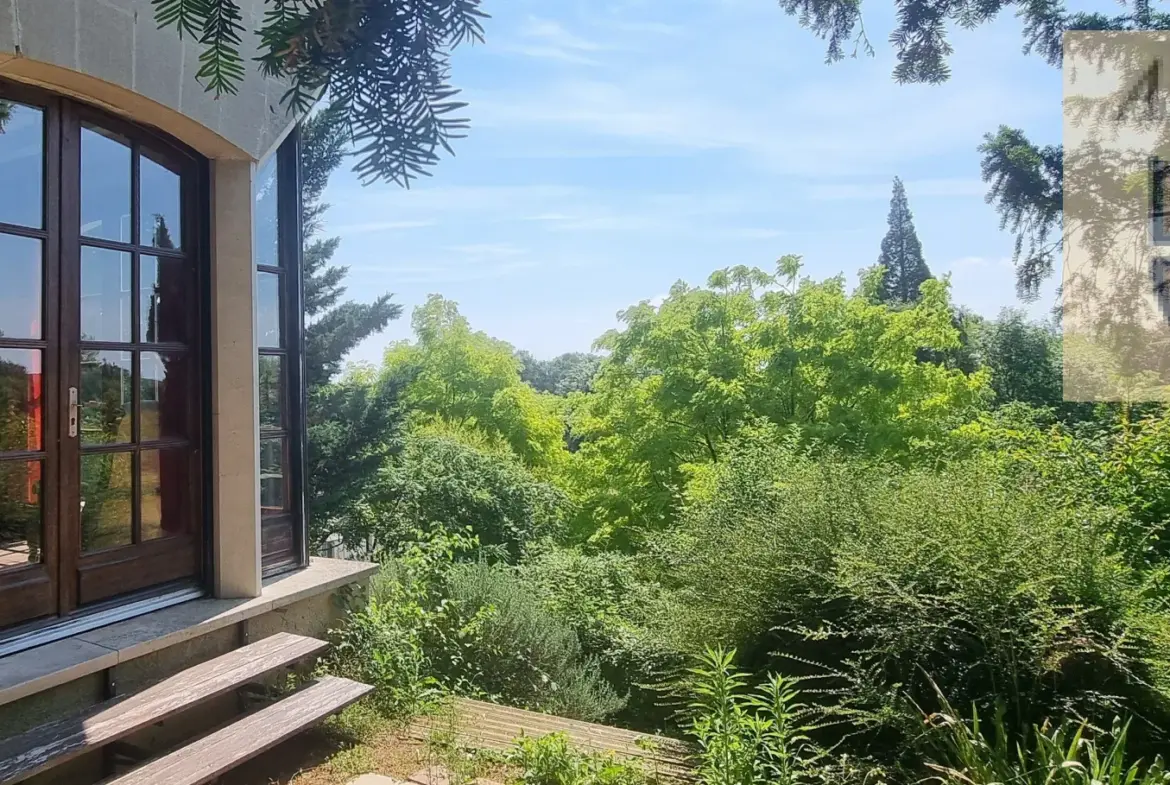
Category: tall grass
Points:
column 1065, row 753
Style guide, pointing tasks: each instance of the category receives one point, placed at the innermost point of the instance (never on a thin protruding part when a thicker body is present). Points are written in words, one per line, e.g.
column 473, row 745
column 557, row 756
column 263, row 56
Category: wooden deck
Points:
column 480, row 725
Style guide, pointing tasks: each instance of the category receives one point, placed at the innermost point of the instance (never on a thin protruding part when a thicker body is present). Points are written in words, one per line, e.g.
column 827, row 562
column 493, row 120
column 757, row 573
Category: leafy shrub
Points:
column 433, row 623
column 886, row 577
column 551, row 760
column 607, row 598
column 510, row 648
column 384, row 642
column 442, row 483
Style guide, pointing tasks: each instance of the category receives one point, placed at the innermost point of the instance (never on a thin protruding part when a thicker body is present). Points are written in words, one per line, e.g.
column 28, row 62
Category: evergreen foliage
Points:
column 901, row 254
column 352, row 421
column 384, row 67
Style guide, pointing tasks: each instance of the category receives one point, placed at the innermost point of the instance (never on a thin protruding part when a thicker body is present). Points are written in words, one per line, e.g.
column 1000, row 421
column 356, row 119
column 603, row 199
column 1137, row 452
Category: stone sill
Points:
column 35, row 670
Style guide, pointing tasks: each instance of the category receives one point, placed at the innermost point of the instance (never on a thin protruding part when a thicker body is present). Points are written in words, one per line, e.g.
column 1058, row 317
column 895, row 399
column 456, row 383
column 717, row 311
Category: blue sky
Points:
column 617, row 147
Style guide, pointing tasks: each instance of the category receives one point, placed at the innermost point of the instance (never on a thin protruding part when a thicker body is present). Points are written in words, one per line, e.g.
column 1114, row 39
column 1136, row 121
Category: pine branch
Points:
column 188, row 17
column 385, row 66
column 221, row 66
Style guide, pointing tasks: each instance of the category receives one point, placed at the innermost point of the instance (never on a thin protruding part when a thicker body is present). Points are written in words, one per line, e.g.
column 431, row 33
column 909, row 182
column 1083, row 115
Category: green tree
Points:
column 441, row 482
column 353, row 421
column 682, row 379
column 901, row 254
column 1024, row 359
column 563, row 374
column 377, row 64
column 471, row 381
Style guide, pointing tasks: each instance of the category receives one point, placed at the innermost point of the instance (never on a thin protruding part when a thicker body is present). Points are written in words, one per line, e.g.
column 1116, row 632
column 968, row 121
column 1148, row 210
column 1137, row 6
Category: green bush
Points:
column 384, row 642
column 433, row 623
column 440, row 482
column 551, row 760
column 879, row 579
column 509, row 647
column 607, row 598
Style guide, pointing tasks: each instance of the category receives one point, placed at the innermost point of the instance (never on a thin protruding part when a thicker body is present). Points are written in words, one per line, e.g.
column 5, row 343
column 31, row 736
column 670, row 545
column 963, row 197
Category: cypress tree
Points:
column 901, row 253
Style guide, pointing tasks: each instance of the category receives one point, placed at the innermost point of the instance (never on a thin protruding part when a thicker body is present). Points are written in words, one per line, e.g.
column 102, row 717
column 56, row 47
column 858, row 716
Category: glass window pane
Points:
column 160, row 216
column 268, row 330
column 165, row 296
column 21, row 399
column 165, row 475
column 20, row 513
column 105, row 185
column 271, row 385
column 164, row 396
column 105, row 295
column 265, row 237
column 105, row 397
column 272, row 485
column 20, row 283
column 22, row 161
column 106, row 494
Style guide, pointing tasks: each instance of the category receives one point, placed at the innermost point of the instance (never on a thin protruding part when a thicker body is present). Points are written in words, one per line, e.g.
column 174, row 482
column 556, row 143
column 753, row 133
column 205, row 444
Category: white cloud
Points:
column 555, row 34
column 549, row 40
column 864, row 126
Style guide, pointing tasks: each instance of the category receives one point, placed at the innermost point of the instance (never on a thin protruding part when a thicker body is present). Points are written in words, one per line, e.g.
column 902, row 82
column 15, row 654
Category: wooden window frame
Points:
column 291, row 524
column 75, row 575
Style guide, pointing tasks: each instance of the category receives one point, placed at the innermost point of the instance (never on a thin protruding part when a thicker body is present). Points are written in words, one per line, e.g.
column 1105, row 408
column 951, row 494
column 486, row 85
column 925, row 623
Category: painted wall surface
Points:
column 118, row 42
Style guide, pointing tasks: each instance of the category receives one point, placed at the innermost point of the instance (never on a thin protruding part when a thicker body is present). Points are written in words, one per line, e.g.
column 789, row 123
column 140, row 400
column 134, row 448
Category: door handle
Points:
column 73, row 412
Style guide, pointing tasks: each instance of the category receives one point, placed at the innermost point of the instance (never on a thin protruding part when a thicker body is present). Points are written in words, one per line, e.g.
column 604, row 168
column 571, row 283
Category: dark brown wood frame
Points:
column 67, row 579
column 32, row 590
column 284, row 534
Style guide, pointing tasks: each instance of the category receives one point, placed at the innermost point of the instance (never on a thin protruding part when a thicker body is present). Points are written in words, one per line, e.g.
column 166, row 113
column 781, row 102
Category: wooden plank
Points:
column 208, row 758
column 57, row 742
column 466, row 706
column 474, row 714
column 491, row 726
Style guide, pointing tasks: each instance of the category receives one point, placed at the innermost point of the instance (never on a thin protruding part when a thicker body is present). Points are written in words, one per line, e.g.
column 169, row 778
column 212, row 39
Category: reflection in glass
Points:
column 164, row 402
column 105, row 185
column 20, row 513
column 106, row 498
column 21, row 399
column 164, row 292
column 268, row 310
column 164, row 488
column 20, row 281
column 22, row 161
column 160, row 216
column 106, row 397
column 105, row 295
column 272, row 496
column 264, row 239
column 271, row 384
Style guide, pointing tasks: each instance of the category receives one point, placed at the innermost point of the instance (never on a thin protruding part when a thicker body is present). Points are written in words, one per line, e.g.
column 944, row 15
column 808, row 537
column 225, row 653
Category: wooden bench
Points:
column 102, row 726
